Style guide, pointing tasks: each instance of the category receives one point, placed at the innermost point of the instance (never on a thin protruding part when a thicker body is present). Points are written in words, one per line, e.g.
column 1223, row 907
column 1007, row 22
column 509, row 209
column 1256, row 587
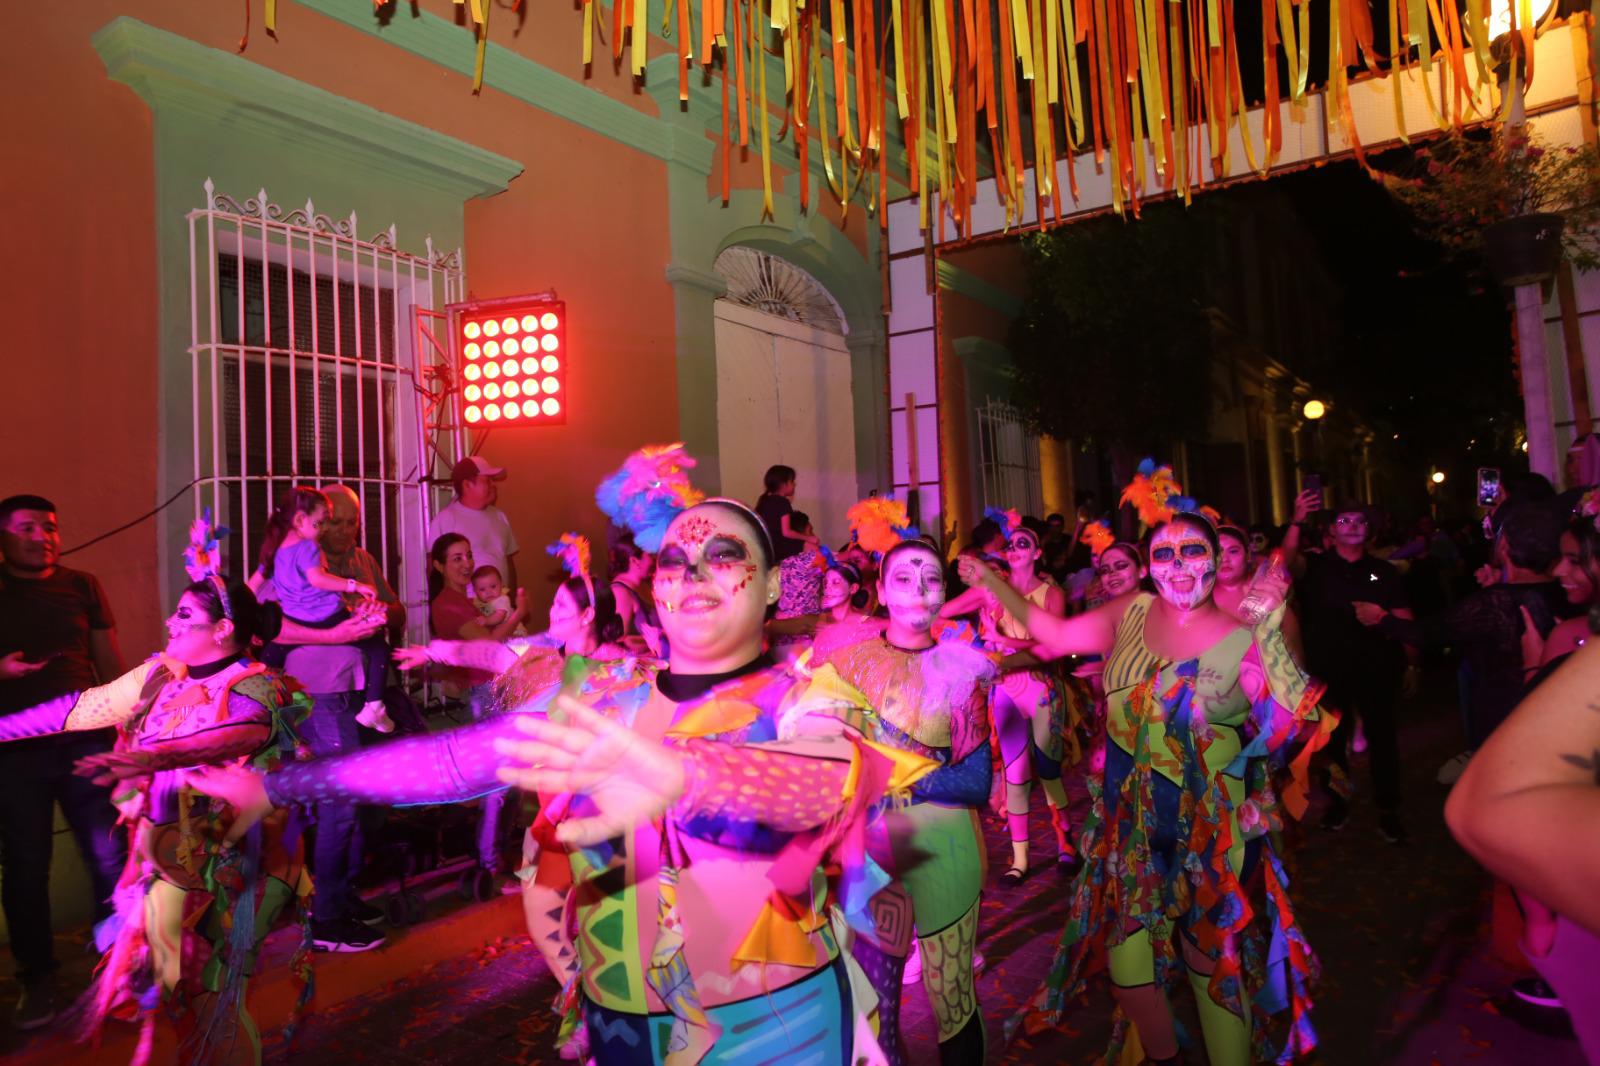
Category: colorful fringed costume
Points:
column 931, row 703
column 192, row 908
column 706, row 934
column 1031, row 710
column 1179, row 840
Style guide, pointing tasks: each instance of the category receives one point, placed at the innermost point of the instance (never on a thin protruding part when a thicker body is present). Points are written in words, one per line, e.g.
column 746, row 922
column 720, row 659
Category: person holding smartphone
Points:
column 1365, row 671
column 57, row 635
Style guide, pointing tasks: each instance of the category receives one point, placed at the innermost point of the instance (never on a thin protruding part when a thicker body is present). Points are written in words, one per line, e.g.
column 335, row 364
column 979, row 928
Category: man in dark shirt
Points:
column 1487, row 626
column 57, row 635
column 1362, row 669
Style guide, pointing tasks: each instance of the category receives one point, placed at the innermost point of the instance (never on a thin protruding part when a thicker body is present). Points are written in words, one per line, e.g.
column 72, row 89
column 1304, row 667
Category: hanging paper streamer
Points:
column 1151, row 87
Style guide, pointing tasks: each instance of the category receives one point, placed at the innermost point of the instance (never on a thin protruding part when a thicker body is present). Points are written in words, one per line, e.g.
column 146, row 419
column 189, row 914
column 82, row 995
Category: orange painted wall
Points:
column 79, row 302
column 587, row 217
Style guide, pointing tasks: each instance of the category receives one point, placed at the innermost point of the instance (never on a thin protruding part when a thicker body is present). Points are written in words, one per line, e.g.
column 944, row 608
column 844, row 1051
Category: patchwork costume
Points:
column 930, row 703
column 707, row 934
column 1031, row 710
column 1204, row 758
column 192, row 909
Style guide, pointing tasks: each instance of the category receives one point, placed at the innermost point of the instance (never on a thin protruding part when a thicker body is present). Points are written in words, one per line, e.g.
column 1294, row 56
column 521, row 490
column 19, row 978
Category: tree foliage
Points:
column 1113, row 341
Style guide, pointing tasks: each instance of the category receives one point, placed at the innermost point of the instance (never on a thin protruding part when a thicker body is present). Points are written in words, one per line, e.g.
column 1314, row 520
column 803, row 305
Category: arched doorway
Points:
column 784, row 386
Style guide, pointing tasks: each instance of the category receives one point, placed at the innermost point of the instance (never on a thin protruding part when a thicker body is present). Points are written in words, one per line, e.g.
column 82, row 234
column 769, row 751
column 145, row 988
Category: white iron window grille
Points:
column 778, row 287
column 307, row 370
column 1008, row 457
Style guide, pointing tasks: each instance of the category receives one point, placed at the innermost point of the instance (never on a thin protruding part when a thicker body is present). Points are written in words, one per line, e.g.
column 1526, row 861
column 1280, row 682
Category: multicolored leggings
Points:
column 1028, row 711
column 935, row 853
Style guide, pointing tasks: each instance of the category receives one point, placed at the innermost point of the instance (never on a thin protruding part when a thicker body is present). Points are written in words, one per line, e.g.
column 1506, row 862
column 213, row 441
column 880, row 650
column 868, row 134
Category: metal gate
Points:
column 309, row 367
column 1008, row 457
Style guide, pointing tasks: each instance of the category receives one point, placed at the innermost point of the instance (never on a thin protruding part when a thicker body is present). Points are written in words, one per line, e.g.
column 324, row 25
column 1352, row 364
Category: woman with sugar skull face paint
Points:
column 1234, row 565
column 202, row 885
column 1030, row 708
column 1202, row 717
column 697, row 804
column 921, row 687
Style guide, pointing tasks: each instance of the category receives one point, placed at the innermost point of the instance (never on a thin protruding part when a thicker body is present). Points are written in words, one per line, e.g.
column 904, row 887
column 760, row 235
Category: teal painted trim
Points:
column 169, row 71
column 953, row 279
column 983, row 351
column 454, row 48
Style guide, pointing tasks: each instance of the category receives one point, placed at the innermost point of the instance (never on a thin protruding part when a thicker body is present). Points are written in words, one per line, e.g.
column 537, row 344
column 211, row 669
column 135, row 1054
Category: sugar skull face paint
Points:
column 836, row 589
column 1022, row 550
column 1119, row 572
column 912, row 588
column 1182, row 565
column 712, row 590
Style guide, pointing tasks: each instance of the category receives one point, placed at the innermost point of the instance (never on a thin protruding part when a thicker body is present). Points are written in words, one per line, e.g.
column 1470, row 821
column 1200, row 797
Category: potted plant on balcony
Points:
column 1509, row 202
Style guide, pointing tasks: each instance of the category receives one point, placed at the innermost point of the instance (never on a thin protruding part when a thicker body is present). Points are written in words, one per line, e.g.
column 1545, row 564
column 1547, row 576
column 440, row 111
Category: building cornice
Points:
column 171, row 72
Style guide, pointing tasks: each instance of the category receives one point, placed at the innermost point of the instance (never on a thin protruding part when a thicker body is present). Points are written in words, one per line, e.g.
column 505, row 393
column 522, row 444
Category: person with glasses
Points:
column 1364, row 673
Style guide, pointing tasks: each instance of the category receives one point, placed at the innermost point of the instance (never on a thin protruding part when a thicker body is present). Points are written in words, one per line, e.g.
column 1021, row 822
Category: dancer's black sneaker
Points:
column 1337, row 814
column 364, row 912
column 36, row 1007
column 1537, row 991
column 344, row 935
column 1393, row 830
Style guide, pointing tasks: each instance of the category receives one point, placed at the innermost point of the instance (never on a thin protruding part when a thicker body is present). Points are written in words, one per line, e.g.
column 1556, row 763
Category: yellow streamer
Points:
column 1069, row 41
column 1394, row 70
column 900, row 73
column 483, row 48
column 639, row 43
column 766, row 135
column 1019, row 33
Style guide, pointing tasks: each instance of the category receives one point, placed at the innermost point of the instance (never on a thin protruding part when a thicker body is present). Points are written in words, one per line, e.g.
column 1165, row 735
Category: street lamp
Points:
column 1500, row 15
column 1437, row 477
column 1313, row 410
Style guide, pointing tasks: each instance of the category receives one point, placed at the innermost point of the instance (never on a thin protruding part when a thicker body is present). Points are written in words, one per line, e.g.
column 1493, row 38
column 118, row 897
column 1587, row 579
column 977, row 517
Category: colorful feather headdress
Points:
column 1008, row 520
column 1098, row 536
column 1156, row 494
column 1589, row 506
column 573, row 551
column 203, row 557
column 879, row 523
column 648, row 491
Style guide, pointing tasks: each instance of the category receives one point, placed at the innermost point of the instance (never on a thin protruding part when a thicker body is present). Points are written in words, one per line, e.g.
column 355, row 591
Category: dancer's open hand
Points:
column 629, row 778
column 974, row 571
column 411, row 657
column 241, row 787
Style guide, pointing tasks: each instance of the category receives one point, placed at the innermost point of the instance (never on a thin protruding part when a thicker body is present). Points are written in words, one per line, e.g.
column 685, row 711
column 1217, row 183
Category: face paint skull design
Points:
column 1182, row 565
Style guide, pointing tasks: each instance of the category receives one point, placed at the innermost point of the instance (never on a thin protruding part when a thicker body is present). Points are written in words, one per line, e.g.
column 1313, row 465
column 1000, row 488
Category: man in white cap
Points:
column 473, row 514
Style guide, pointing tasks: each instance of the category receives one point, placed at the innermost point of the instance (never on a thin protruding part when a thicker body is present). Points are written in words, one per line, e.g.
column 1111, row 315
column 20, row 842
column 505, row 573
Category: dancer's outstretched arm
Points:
column 1528, row 805
column 93, row 708
column 1090, row 633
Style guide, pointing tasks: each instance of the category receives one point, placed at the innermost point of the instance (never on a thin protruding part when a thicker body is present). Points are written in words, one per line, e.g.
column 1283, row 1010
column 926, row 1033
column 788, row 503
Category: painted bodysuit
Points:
column 192, row 910
column 1180, row 837
column 931, row 703
column 706, row 935
column 1031, row 710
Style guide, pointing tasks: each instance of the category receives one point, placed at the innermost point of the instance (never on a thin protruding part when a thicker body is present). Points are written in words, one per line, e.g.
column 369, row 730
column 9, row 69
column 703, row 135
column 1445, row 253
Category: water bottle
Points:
column 1254, row 608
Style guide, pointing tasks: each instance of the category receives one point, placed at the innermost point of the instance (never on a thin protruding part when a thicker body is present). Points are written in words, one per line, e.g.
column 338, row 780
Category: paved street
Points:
column 1402, row 934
